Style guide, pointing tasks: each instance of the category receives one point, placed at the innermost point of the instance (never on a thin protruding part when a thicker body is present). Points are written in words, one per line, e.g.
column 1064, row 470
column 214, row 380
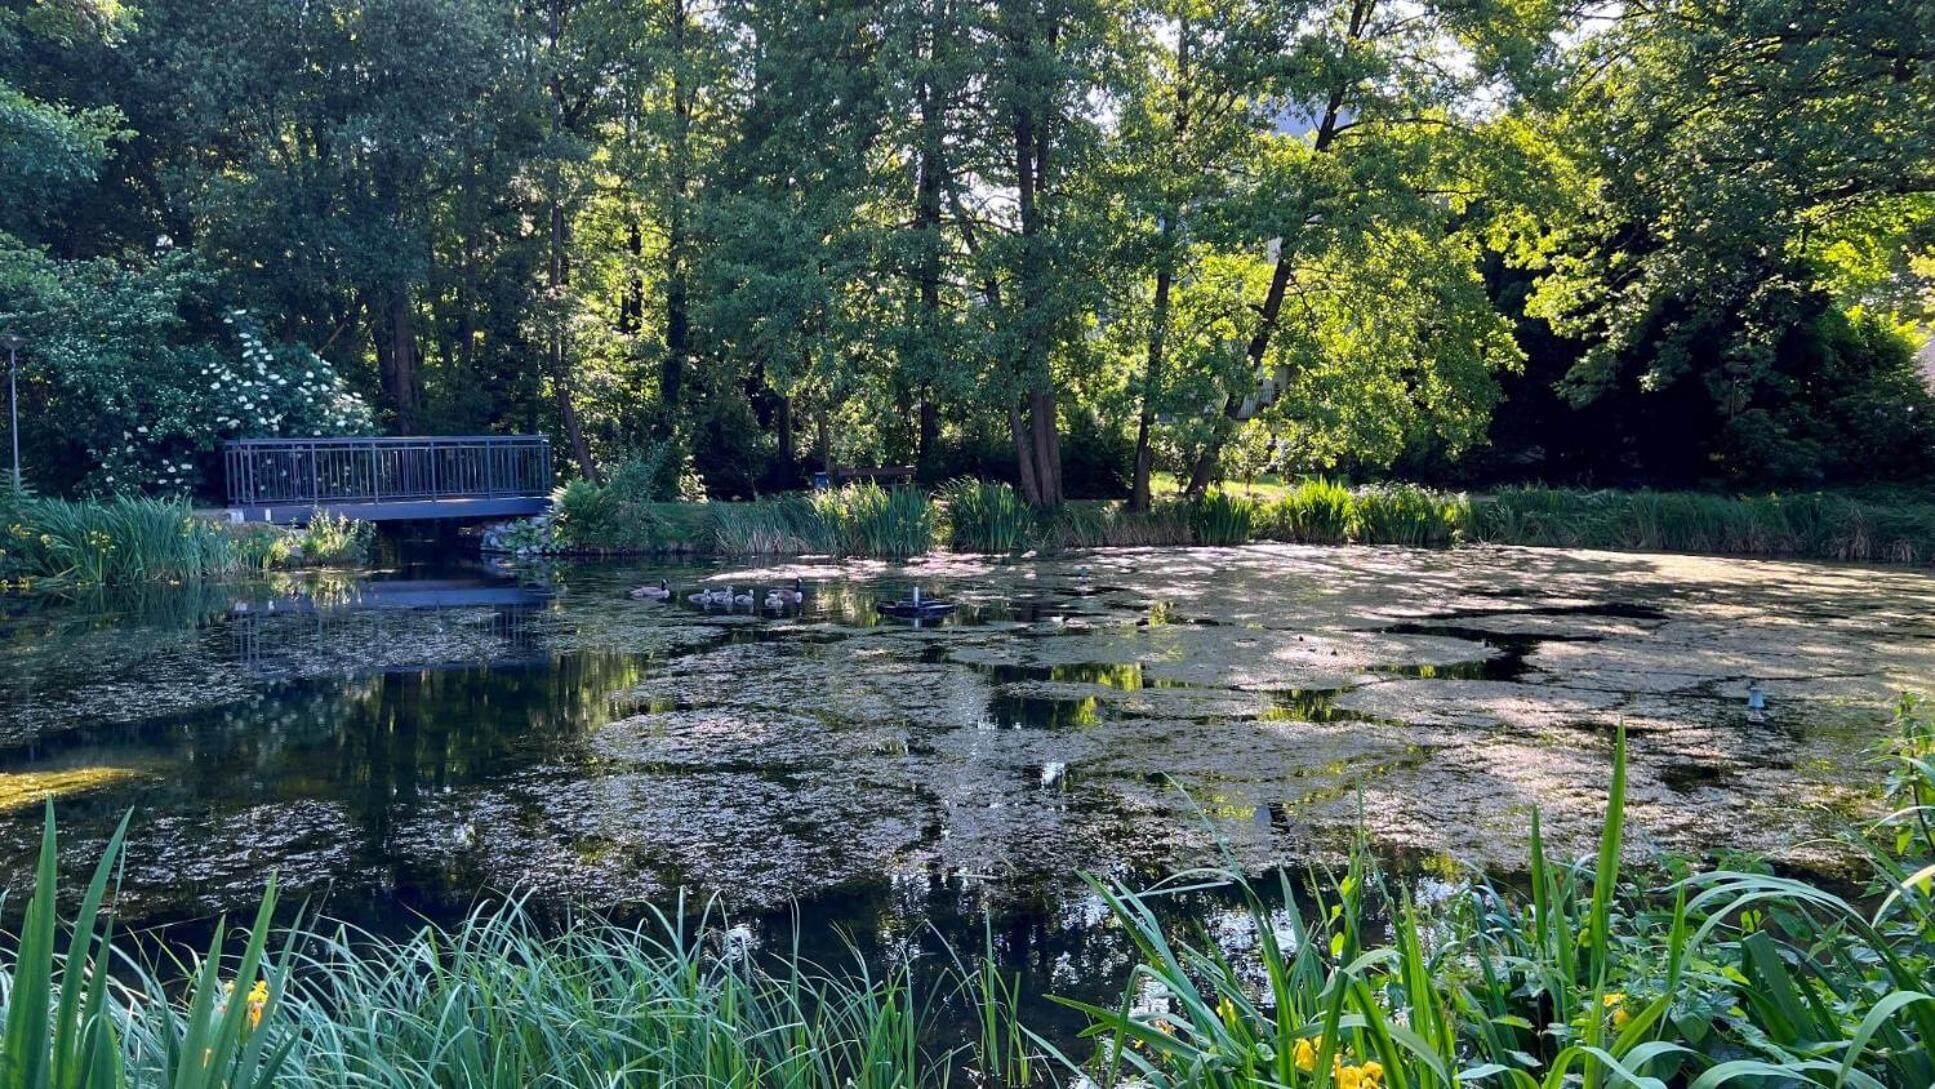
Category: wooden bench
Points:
column 886, row 476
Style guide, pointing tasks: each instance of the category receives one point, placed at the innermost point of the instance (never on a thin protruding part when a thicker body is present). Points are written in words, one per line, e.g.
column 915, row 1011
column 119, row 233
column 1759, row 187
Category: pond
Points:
column 394, row 744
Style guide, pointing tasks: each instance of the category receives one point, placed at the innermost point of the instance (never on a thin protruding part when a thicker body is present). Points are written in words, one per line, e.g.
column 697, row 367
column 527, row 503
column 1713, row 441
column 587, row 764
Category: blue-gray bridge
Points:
column 388, row 479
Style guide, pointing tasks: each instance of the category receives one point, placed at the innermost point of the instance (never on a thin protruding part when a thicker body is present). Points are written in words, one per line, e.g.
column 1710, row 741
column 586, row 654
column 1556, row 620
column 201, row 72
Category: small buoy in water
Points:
column 1756, row 703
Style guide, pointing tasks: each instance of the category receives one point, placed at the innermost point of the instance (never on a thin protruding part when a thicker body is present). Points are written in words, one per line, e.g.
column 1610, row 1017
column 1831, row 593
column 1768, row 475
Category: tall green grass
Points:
column 1727, row 977
column 1223, row 519
column 873, row 521
column 1816, row 525
column 1583, row 974
column 981, row 516
column 1092, row 524
column 95, row 542
column 986, row 516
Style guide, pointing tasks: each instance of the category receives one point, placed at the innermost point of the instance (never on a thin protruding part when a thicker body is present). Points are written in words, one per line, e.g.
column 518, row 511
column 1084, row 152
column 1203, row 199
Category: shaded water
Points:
column 399, row 744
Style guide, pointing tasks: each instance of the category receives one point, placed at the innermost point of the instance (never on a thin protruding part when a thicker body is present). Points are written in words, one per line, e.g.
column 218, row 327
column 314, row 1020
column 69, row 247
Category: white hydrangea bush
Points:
column 252, row 387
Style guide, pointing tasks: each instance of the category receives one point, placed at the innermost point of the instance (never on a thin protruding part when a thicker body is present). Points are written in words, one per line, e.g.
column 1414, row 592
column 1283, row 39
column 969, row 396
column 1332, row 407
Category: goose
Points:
column 774, row 601
column 793, row 596
column 705, row 597
column 739, row 599
column 653, row 593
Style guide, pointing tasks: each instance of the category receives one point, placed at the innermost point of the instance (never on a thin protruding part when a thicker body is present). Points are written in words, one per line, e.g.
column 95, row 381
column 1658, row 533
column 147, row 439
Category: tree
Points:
column 1380, row 146
column 1735, row 149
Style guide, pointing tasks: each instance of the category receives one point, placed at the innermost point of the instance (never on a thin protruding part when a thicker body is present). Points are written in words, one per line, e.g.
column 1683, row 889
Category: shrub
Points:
column 333, row 540
column 985, row 516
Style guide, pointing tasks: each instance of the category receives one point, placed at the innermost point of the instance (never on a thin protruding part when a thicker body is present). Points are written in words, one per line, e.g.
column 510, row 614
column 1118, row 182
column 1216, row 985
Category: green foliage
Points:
column 1819, row 525
column 1223, row 519
column 1725, row 977
column 68, row 1019
column 875, row 521
column 335, row 540
column 122, row 394
column 1417, row 517
column 1316, row 511
column 96, row 542
column 985, row 516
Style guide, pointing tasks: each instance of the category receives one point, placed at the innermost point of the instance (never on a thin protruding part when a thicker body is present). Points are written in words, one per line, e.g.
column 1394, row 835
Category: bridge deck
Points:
column 388, row 479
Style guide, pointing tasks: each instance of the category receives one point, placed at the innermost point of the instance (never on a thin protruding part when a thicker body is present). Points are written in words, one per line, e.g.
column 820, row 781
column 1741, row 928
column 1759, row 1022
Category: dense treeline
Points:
column 1064, row 242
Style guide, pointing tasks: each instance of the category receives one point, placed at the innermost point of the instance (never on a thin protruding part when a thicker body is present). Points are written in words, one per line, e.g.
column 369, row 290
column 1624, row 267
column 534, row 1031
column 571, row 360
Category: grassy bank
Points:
column 49, row 543
column 1584, row 974
column 978, row 516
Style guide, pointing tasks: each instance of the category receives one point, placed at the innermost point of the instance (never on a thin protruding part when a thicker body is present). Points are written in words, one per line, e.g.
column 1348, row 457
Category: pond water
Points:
column 397, row 743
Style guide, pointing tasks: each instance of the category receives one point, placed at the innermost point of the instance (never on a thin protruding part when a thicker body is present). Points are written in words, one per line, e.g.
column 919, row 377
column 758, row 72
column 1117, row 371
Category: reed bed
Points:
column 984, row 516
column 113, row 541
column 1815, row 525
column 1584, row 974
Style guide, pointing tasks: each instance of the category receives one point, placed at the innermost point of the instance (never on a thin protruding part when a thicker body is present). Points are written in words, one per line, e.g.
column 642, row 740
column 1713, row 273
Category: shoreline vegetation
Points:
column 1589, row 973
column 53, row 543
column 991, row 517
column 56, row 543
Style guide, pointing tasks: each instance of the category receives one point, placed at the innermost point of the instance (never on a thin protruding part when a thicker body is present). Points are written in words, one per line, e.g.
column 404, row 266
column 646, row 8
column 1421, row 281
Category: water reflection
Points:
column 400, row 743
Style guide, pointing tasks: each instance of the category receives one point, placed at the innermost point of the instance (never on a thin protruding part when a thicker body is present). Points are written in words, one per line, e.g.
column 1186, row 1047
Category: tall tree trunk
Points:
column 558, row 275
column 927, row 227
column 783, row 430
column 1038, row 445
column 677, row 318
column 1139, row 497
column 631, row 306
column 1024, row 456
column 927, row 451
column 401, row 333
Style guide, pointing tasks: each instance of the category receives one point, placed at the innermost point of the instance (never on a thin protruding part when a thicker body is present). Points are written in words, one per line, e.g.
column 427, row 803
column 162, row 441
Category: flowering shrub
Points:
column 265, row 389
column 132, row 375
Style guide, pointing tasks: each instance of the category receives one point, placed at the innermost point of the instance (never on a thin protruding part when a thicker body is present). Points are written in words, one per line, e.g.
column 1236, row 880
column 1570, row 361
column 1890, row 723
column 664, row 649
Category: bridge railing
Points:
column 322, row 471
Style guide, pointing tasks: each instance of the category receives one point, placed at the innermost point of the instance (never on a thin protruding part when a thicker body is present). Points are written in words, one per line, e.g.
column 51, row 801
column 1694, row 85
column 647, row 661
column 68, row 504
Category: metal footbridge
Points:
column 387, row 479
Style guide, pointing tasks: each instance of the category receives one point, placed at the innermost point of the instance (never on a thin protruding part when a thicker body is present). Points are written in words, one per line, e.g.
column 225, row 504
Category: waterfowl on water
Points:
column 739, row 599
column 653, row 593
column 793, row 596
column 774, row 601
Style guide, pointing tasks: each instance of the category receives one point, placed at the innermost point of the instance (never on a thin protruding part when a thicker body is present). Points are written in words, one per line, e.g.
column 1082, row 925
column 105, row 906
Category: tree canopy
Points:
column 1073, row 243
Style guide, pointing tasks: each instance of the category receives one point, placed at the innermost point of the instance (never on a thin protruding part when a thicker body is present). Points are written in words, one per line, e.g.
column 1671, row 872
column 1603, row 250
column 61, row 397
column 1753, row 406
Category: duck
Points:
column 653, row 593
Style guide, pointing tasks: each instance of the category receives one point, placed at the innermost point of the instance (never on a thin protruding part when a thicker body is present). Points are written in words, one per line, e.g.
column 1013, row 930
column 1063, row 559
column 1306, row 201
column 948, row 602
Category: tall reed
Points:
column 95, row 542
column 985, row 516
column 1224, row 519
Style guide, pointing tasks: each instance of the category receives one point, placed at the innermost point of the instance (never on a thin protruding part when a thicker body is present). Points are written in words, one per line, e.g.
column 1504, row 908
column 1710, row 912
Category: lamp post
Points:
column 13, row 342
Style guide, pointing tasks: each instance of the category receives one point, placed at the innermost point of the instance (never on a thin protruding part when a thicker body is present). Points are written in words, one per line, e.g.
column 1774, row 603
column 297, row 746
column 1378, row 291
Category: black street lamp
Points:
column 13, row 342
